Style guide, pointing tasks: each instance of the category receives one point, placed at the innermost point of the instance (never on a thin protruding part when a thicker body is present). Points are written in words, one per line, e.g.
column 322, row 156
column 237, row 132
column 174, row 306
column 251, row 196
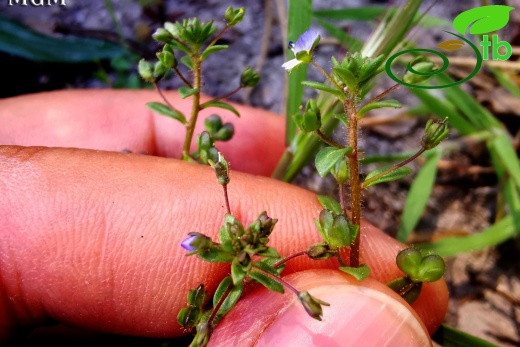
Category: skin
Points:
column 91, row 236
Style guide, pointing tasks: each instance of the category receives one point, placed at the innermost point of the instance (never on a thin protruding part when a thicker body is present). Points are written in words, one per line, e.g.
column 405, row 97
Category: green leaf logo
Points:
column 482, row 19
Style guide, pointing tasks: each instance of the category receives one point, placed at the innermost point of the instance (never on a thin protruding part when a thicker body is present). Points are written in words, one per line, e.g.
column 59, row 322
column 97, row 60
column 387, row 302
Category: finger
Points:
column 117, row 120
column 360, row 314
column 92, row 238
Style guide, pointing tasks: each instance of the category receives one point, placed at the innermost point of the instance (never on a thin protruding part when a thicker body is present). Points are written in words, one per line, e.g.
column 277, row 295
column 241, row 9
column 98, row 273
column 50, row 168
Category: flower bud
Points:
column 320, row 251
column 233, row 17
column 197, row 296
column 221, row 168
column 434, row 133
column 196, row 242
column 249, row 78
column 162, row 35
column 145, row 71
column 312, row 305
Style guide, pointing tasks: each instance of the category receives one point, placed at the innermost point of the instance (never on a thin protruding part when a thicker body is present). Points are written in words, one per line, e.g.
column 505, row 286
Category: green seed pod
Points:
column 225, row 133
column 197, row 296
column 409, row 261
column 159, row 71
column 189, row 317
column 146, row 71
column 432, row 268
column 167, row 59
column 419, row 70
column 212, row 124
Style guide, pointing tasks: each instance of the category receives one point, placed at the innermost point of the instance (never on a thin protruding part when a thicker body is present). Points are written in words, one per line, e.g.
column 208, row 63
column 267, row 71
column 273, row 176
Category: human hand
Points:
column 92, row 238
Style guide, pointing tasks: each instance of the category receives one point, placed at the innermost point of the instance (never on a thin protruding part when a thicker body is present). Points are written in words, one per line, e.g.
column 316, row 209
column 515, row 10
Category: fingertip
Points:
column 360, row 314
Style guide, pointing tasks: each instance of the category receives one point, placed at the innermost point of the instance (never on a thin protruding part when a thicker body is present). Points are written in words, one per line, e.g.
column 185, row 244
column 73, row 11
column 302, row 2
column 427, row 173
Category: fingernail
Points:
column 357, row 316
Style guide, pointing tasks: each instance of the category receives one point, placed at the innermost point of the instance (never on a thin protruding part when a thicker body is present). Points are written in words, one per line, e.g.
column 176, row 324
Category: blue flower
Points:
column 196, row 242
column 302, row 49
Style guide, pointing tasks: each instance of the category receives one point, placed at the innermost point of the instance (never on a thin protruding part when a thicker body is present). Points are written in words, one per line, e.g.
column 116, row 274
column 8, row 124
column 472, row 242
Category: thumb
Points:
column 360, row 314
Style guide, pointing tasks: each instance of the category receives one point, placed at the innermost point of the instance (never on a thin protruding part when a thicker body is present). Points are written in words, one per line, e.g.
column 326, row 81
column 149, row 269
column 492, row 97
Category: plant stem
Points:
column 286, row 259
column 324, row 73
column 355, row 185
column 395, row 167
column 186, row 82
column 163, row 96
column 383, row 94
column 225, row 96
column 218, row 36
column 279, row 279
column 190, row 128
column 227, row 198
column 219, row 303
column 328, row 140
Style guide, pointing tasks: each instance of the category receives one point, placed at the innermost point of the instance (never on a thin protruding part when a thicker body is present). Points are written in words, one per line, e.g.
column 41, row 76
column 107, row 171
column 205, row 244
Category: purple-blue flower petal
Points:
column 186, row 244
column 306, row 41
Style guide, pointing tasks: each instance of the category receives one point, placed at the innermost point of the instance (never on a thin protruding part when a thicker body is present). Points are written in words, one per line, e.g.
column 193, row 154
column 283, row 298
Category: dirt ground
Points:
column 484, row 285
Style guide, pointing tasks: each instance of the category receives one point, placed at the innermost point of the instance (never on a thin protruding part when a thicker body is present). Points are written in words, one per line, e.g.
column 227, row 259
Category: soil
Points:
column 484, row 285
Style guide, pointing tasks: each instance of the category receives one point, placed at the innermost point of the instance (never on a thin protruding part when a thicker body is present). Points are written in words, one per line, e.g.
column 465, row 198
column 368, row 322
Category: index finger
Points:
column 116, row 120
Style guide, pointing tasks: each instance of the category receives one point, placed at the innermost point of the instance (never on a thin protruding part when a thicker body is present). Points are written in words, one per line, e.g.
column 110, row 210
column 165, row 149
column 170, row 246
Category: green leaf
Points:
column 418, row 195
column 187, row 92
column 485, row 19
column 232, row 298
column 166, row 110
column 450, row 337
column 211, row 50
column 18, row 40
column 373, row 12
column 299, row 20
column 492, row 236
column 359, row 273
column 186, row 60
column 269, row 253
column 391, row 176
column 266, row 267
column 341, row 35
column 380, row 104
column 266, row 281
column 215, row 255
column 347, row 77
column 328, row 157
column 237, row 272
column 325, row 88
column 219, row 104
column 330, row 204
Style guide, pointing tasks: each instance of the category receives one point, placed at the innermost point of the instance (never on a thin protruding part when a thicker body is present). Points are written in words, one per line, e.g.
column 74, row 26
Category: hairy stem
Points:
column 190, row 128
column 181, row 76
column 383, row 94
column 355, row 185
column 225, row 96
column 227, row 198
column 327, row 76
column 163, row 96
column 328, row 140
column 286, row 259
column 279, row 279
column 224, row 29
column 219, row 304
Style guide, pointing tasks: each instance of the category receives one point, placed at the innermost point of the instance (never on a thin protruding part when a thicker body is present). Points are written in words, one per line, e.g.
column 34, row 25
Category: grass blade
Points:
column 300, row 12
column 418, row 195
column 450, row 337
